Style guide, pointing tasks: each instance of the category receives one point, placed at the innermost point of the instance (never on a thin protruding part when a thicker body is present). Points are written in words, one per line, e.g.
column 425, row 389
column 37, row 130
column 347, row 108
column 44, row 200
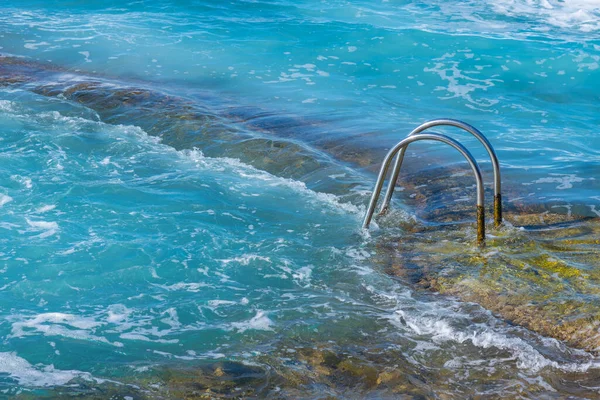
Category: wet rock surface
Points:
column 317, row 372
column 265, row 140
column 539, row 270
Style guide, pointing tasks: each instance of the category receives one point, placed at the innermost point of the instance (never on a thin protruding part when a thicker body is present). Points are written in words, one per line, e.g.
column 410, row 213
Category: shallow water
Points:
column 526, row 73
column 140, row 239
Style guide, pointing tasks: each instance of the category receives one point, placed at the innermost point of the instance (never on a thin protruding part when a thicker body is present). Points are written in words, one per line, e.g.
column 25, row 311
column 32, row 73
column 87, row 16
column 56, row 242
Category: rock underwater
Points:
column 540, row 270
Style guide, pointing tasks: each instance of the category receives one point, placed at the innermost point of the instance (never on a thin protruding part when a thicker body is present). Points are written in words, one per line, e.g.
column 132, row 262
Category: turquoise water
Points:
column 526, row 73
column 124, row 252
column 128, row 248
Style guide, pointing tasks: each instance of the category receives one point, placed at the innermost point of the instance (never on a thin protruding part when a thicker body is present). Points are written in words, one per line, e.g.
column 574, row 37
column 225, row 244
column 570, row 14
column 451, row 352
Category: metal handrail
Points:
column 440, row 138
column 466, row 127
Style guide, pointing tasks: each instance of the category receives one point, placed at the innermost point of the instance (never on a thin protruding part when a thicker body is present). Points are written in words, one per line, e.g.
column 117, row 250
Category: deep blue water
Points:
column 120, row 253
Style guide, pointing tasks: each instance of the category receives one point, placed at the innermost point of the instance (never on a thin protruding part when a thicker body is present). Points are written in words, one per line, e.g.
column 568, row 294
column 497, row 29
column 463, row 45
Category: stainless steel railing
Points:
column 466, row 127
column 417, row 135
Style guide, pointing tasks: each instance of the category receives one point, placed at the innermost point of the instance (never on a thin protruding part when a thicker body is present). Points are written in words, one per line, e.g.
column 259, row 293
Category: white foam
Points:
column 215, row 164
column 220, row 164
column 300, row 187
column 143, row 338
column 565, row 180
column 259, row 322
column 5, row 199
column 462, row 84
column 189, row 287
column 42, row 225
column 7, row 106
column 34, row 46
column 217, row 303
column 59, row 324
column 86, row 54
column 49, row 228
column 583, row 15
column 245, row 259
column 309, row 67
column 45, row 208
column 303, row 274
column 526, row 356
column 39, row 376
column 56, row 317
column 117, row 313
column 171, row 318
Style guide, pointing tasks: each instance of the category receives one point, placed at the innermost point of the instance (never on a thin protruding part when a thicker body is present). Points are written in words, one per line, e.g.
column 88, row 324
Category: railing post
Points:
column 473, row 131
column 439, row 138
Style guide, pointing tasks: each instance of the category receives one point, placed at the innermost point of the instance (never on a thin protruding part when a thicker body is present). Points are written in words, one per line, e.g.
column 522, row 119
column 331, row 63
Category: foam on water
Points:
column 251, row 173
column 508, row 67
column 58, row 324
column 438, row 324
column 37, row 376
column 260, row 322
column 52, row 222
column 583, row 15
column 5, row 199
column 528, row 358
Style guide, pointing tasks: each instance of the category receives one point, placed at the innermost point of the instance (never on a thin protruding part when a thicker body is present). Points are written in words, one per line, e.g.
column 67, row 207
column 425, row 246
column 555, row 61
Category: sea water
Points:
column 125, row 253
column 525, row 73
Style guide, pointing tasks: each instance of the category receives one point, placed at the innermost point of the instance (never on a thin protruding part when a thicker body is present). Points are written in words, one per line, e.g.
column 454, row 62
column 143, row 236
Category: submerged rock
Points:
column 264, row 141
column 540, row 270
column 317, row 371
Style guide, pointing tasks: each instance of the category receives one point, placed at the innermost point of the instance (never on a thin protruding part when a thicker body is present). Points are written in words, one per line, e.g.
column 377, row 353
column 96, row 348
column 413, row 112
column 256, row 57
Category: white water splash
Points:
column 37, row 376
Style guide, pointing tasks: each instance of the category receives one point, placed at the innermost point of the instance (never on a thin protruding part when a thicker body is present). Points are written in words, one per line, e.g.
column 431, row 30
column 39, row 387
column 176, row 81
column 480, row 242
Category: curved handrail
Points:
column 440, row 138
column 473, row 131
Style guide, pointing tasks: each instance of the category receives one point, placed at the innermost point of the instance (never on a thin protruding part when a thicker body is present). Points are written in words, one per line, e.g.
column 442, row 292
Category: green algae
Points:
column 547, row 263
column 312, row 372
column 544, row 280
column 539, row 270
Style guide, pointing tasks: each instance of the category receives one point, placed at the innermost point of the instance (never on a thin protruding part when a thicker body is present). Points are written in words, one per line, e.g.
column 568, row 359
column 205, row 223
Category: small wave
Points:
column 583, row 15
column 48, row 228
column 245, row 259
column 333, row 202
column 188, row 287
column 7, row 106
column 39, row 376
column 259, row 322
column 5, row 199
column 247, row 171
column 527, row 357
column 59, row 324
